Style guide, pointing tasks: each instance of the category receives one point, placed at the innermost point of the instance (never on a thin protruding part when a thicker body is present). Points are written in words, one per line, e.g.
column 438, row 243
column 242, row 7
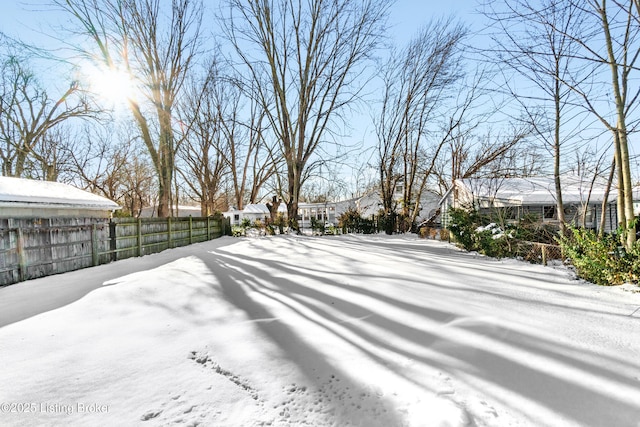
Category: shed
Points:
column 28, row 198
column 49, row 227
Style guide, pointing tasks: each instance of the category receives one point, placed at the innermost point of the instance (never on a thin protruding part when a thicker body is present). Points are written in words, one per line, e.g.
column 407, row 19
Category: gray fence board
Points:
column 32, row 248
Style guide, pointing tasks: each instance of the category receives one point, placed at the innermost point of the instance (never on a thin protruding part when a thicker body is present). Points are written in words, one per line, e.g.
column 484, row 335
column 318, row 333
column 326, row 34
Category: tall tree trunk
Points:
column 605, row 199
column 626, row 217
column 620, row 211
column 556, row 156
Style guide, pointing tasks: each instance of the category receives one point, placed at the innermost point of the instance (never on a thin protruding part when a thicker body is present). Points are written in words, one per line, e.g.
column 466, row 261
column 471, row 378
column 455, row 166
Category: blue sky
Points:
column 26, row 17
column 32, row 20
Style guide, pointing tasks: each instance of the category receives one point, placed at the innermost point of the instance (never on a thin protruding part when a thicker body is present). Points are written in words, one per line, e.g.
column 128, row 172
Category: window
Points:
column 548, row 212
column 236, row 217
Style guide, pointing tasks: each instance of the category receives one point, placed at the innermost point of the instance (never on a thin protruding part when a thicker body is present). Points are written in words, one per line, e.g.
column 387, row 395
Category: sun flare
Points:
column 112, row 86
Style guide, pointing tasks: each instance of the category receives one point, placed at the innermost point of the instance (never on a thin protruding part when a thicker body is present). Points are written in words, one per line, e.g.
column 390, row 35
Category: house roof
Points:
column 535, row 190
column 256, row 208
column 20, row 192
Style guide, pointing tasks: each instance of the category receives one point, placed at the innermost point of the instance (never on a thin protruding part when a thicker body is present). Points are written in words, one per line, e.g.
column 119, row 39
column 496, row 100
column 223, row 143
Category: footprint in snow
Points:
column 150, row 415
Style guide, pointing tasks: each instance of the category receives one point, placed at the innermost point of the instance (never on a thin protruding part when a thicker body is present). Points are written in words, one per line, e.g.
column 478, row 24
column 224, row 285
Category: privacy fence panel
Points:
column 32, row 248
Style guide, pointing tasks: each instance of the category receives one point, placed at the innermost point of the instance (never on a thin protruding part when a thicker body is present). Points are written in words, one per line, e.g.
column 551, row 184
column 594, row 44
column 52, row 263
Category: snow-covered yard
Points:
column 325, row 331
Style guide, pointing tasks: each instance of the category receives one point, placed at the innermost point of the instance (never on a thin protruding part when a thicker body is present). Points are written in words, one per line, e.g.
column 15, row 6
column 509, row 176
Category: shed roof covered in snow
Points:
column 21, row 197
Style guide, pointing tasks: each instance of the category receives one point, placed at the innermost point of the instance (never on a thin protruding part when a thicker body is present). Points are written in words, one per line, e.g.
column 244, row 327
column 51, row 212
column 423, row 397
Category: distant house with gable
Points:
column 534, row 196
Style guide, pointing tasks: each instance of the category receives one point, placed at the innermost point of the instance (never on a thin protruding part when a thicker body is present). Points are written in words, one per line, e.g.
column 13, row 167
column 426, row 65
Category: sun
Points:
column 112, row 86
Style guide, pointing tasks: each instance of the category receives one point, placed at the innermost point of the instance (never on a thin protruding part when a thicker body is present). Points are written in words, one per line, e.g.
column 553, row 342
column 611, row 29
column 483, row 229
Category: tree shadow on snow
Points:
column 238, row 281
column 552, row 374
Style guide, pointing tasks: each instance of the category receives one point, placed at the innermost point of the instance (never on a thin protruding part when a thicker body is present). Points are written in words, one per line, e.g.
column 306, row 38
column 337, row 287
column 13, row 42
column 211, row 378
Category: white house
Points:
column 582, row 199
column 325, row 212
column 252, row 212
column 28, row 198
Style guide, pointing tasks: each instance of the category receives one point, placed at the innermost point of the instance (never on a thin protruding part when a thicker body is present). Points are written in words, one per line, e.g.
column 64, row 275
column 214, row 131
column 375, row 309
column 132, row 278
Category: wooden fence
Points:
column 32, row 248
column 538, row 253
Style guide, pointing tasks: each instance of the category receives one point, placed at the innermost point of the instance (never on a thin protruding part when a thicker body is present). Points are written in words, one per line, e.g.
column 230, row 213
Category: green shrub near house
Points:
column 476, row 232
column 597, row 259
column 601, row 259
column 351, row 222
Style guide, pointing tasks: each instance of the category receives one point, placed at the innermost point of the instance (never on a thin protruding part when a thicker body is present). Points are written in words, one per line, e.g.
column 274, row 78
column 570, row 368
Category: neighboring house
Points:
column 371, row 203
column 27, row 198
column 328, row 213
column 252, row 212
column 516, row 197
column 325, row 212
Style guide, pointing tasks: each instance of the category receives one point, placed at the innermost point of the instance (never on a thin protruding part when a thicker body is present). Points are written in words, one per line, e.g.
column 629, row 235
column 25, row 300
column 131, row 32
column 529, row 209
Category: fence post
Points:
column 224, row 225
column 94, row 245
column 22, row 259
column 113, row 246
column 544, row 254
column 208, row 228
column 190, row 230
column 139, row 237
column 169, row 231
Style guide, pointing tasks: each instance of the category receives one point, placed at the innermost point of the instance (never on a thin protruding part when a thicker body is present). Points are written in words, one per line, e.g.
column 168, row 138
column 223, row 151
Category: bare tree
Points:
column 224, row 142
column 203, row 150
column 304, row 59
column 533, row 41
column 417, row 80
column 53, row 155
column 110, row 163
column 491, row 155
column 612, row 46
column 28, row 114
column 251, row 158
column 136, row 37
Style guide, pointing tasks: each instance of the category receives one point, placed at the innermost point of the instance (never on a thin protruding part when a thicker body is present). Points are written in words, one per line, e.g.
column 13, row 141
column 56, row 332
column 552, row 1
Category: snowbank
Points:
column 328, row 331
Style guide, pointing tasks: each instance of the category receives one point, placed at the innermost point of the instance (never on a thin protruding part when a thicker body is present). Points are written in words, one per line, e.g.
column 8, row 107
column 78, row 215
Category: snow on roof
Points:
column 535, row 190
column 20, row 191
column 256, row 208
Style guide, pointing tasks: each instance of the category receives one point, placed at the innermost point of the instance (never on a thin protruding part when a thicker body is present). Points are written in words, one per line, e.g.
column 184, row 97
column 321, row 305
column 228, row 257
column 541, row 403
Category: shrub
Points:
column 474, row 232
column 351, row 222
column 280, row 222
column 463, row 225
column 531, row 229
column 601, row 260
column 317, row 226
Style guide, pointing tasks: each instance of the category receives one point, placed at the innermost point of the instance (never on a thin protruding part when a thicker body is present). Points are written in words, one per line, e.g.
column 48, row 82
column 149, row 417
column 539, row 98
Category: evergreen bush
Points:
column 351, row 222
column 601, row 259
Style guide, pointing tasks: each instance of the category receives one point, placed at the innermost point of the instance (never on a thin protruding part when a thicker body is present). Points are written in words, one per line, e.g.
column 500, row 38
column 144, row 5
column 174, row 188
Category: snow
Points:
column 319, row 331
column 20, row 190
column 257, row 208
column 535, row 190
